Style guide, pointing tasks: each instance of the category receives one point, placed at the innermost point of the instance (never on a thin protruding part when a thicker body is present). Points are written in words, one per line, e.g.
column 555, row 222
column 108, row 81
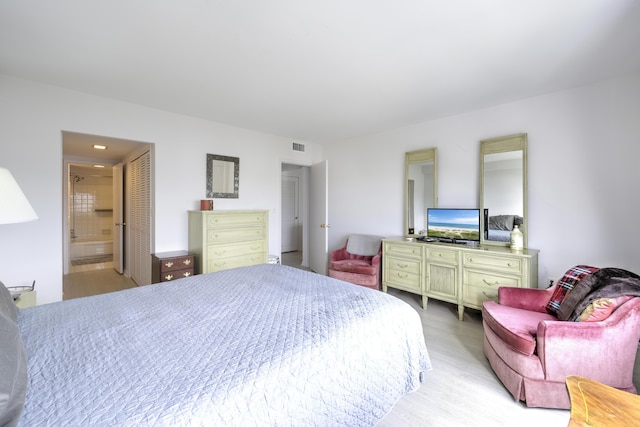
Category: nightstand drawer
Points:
column 177, row 274
column 178, row 263
column 171, row 265
column 501, row 263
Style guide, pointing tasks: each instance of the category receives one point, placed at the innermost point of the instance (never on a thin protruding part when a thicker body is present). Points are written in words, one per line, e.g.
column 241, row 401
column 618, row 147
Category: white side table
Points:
column 26, row 299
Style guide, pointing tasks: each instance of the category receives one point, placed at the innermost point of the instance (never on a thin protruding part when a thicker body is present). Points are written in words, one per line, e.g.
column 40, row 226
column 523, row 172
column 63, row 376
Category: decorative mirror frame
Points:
column 236, row 177
column 419, row 156
column 504, row 144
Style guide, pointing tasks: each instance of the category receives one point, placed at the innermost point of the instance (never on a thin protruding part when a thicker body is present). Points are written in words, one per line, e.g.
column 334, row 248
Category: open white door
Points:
column 290, row 215
column 118, row 221
column 319, row 218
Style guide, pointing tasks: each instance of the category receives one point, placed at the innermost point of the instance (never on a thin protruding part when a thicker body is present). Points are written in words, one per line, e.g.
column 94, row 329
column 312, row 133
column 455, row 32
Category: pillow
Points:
column 13, row 372
column 7, row 306
column 566, row 284
column 501, row 222
column 602, row 308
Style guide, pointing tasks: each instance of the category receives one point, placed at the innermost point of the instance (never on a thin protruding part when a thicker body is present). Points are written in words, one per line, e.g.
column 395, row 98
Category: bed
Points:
column 261, row 345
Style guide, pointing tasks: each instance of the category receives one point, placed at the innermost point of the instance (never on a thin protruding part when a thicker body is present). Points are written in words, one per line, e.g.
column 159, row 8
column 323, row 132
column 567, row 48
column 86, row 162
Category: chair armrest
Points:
column 375, row 261
column 604, row 351
column 531, row 299
column 339, row 254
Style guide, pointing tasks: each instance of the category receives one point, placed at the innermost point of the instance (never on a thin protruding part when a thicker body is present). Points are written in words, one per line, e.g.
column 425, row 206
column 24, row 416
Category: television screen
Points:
column 453, row 224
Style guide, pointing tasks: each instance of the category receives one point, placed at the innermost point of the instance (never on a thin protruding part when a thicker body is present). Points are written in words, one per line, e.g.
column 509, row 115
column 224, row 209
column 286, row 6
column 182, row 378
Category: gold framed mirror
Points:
column 503, row 188
column 421, row 189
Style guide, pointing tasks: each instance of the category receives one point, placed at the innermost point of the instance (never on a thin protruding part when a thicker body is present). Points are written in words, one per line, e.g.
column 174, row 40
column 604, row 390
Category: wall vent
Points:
column 296, row 146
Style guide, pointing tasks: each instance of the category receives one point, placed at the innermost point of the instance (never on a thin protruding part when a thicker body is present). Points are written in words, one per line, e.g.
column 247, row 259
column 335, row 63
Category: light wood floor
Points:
column 460, row 390
column 94, row 279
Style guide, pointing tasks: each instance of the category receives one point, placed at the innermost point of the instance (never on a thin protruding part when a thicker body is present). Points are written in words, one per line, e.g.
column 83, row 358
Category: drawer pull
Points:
column 220, row 252
column 440, row 255
column 186, row 261
column 402, row 276
column 168, row 277
column 509, row 264
column 496, row 283
column 489, row 296
column 402, row 265
column 168, row 264
column 186, row 274
column 255, row 248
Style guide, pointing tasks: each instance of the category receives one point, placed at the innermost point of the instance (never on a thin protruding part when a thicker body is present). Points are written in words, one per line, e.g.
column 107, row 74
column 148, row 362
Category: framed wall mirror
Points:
column 421, row 189
column 503, row 188
column 223, row 176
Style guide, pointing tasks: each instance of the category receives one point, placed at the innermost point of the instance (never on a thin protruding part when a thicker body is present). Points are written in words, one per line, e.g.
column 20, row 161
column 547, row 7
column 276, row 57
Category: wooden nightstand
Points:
column 168, row 266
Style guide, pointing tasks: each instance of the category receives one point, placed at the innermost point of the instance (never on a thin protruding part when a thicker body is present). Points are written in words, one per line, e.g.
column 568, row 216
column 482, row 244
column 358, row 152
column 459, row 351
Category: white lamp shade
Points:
column 14, row 206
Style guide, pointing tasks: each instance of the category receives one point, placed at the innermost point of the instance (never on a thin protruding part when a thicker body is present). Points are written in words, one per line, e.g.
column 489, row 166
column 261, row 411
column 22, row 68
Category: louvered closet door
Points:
column 139, row 223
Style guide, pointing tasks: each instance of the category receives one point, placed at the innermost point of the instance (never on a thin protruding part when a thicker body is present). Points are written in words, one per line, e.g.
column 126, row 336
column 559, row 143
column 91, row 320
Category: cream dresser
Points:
column 227, row 239
column 459, row 274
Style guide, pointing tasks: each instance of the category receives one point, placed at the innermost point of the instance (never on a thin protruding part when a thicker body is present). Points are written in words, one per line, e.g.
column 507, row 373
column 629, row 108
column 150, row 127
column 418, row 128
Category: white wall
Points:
column 584, row 171
column 33, row 117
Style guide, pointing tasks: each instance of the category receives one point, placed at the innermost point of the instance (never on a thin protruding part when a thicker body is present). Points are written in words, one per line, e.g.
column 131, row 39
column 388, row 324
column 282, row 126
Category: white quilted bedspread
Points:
column 264, row 345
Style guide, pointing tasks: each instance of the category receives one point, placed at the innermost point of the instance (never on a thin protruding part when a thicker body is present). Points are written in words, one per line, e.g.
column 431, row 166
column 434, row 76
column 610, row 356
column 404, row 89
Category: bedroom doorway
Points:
column 294, row 240
column 118, row 211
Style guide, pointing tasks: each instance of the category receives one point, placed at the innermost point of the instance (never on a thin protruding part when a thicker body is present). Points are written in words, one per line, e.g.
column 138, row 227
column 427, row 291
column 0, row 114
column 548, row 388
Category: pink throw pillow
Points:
column 602, row 308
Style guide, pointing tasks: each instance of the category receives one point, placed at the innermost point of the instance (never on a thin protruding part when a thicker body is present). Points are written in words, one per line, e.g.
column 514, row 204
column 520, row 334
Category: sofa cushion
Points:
column 357, row 266
column 516, row 327
column 570, row 279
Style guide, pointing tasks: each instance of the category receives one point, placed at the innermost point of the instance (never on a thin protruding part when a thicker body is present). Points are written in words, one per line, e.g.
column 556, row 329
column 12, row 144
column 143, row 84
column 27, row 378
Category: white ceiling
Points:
column 322, row 70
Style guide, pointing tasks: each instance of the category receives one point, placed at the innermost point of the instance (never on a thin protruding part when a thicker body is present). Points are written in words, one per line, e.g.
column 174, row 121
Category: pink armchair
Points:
column 533, row 352
column 358, row 261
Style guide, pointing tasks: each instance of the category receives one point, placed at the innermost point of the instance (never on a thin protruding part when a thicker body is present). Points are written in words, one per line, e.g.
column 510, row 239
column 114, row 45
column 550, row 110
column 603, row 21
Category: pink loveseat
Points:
column 358, row 261
column 533, row 352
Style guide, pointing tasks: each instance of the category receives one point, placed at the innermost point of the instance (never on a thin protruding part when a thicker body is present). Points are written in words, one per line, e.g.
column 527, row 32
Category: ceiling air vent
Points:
column 296, row 146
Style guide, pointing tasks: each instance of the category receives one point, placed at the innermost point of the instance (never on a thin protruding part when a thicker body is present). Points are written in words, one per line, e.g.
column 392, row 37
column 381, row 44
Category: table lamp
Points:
column 14, row 206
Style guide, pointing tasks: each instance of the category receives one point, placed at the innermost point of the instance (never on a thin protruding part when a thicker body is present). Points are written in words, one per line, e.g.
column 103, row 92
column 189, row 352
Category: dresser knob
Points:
column 187, row 274
column 168, row 277
column 187, row 261
column 168, row 264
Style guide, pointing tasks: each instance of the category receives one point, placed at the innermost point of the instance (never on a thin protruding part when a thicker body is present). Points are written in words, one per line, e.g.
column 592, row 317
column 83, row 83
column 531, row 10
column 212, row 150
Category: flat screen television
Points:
column 453, row 225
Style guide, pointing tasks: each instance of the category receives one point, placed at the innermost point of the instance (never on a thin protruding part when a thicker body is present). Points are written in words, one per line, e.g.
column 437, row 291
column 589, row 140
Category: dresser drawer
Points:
column 442, row 255
column 488, row 280
column 402, row 250
column 402, row 265
column 236, row 249
column 474, row 296
column 218, row 264
column 403, row 280
column 235, row 235
column 495, row 263
column 237, row 220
